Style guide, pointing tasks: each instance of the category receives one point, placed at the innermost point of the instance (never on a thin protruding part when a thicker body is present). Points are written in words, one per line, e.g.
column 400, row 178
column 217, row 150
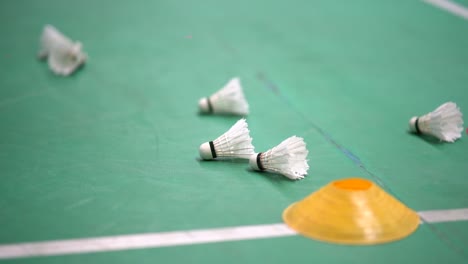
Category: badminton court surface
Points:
column 103, row 166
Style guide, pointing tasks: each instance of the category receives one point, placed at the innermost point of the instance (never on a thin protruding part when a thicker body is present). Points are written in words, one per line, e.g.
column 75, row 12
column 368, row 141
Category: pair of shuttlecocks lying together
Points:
column 444, row 123
column 289, row 158
column 63, row 55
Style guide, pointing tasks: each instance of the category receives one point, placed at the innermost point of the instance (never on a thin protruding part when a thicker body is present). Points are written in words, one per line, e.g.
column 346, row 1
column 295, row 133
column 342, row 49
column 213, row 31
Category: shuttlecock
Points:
column 235, row 143
column 444, row 123
column 289, row 158
column 63, row 55
column 230, row 100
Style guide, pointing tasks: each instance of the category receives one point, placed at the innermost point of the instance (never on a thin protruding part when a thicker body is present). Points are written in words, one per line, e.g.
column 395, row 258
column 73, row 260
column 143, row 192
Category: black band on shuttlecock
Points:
column 210, row 106
column 213, row 151
column 416, row 126
column 259, row 162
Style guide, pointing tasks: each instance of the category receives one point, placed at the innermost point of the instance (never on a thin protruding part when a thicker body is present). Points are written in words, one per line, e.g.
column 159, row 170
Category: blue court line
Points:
column 327, row 136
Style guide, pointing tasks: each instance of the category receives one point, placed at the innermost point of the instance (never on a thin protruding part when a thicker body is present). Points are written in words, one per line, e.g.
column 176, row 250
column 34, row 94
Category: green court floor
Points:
column 113, row 149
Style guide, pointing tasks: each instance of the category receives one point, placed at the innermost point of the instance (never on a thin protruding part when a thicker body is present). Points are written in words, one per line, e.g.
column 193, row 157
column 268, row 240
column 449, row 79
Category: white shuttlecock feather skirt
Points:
column 63, row 55
column 229, row 100
column 289, row 158
column 444, row 123
column 235, row 143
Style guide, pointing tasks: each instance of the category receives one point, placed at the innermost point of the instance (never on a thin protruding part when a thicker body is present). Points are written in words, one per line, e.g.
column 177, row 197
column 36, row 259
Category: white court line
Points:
column 452, row 215
column 178, row 238
column 450, row 6
column 138, row 241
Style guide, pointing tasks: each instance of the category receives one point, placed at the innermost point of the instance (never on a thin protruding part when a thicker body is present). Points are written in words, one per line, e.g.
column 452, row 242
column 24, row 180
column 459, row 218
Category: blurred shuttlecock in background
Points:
column 289, row 158
column 235, row 143
column 230, row 100
column 444, row 123
column 63, row 55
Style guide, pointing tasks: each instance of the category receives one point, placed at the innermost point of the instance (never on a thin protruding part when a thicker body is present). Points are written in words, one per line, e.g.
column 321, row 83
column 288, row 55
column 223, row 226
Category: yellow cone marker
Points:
column 351, row 211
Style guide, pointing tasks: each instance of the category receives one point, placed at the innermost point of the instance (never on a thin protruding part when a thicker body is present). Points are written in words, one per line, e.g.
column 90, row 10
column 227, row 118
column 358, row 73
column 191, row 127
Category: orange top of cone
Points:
column 351, row 211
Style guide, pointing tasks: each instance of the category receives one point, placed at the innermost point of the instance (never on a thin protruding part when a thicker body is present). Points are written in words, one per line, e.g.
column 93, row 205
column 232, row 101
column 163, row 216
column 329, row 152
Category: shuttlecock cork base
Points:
column 255, row 162
column 414, row 126
column 207, row 151
column 205, row 105
column 352, row 211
